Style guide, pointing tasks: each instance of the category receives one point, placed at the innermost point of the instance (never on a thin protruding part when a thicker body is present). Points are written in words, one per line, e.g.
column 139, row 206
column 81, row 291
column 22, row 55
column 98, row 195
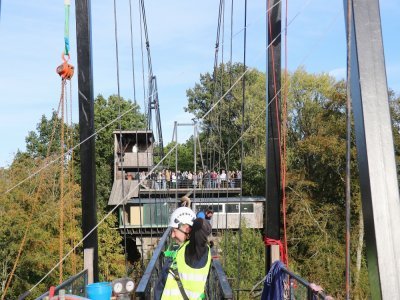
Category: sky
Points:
column 182, row 40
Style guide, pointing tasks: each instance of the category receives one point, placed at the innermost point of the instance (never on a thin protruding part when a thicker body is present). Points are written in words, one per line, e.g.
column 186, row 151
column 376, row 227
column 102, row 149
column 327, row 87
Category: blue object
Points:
column 201, row 215
column 273, row 284
column 99, row 291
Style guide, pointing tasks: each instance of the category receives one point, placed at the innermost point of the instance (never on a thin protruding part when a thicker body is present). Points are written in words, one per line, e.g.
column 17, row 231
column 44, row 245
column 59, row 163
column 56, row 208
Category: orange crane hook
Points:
column 65, row 70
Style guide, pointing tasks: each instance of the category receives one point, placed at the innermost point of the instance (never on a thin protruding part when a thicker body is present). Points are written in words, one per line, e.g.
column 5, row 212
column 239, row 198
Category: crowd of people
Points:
column 167, row 179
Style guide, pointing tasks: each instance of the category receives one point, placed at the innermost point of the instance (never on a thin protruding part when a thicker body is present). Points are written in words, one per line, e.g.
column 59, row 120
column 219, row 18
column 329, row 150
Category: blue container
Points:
column 99, row 291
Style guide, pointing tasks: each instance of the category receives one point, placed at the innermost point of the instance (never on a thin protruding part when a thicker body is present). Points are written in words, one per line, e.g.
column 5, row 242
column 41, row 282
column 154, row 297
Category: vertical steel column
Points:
column 376, row 161
column 273, row 160
column 86, row 129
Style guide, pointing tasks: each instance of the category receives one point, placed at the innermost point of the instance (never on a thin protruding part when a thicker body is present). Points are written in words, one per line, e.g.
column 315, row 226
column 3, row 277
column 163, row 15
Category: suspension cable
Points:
column 121, row 149
column 230, row 99
column 132, row 52
column 142, row 52
column 242, row 148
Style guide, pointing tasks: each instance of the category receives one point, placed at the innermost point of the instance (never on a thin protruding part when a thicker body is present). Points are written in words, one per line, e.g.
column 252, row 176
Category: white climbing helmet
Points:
column 180, row 216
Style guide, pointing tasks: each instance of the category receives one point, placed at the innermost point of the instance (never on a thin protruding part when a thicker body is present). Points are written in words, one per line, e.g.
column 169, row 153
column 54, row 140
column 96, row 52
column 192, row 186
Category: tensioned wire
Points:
column 135, row 101
column 129, row 194
column 239, row 250
column 121, row 150
column 132, row 52
column 141, row 50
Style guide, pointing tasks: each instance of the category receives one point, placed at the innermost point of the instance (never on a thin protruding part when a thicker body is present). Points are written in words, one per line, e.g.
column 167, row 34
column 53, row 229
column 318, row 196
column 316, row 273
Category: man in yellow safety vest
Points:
column 188, row 272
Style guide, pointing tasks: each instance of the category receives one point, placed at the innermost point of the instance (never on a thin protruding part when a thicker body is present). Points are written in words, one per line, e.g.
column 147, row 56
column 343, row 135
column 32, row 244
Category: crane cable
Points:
column 71, row 176
column 66, row 71
column 61, row 207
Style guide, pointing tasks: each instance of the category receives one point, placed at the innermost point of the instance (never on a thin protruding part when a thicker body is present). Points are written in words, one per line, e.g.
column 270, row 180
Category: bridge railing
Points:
column 217, row 285
column 299, row 288
column 145, row 288
column 189, row 184
column 75, row 285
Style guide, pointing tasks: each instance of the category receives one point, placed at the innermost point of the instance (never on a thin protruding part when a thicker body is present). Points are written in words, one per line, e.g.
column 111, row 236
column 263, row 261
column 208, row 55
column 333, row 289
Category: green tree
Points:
column 251, row 259
column 38, row 200
column 33, row 208
column 106, row 111
column 316, row 172
column 221, row 129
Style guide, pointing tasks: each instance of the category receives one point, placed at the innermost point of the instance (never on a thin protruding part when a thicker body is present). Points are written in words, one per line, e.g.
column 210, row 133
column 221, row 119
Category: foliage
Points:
column 38, row 200
column 316, row 147
column 222, row 128
column 111, row 257
column 251, row 258
column 316, row 172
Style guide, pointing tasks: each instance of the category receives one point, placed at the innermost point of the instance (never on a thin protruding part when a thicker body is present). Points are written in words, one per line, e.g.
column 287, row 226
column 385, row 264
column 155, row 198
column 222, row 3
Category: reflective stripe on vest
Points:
column 175, row 294
column 193, row 280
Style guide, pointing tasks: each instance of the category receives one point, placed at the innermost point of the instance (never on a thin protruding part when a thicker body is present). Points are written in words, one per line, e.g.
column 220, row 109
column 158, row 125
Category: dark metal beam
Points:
column 273, row 184
column 86, row 130
column 376, row 161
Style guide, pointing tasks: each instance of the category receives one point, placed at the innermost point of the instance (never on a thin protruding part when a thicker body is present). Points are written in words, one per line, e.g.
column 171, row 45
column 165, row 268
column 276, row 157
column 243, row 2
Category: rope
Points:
column 67, row 5
column 282, row 253
column 61, row 224
column 71, row 179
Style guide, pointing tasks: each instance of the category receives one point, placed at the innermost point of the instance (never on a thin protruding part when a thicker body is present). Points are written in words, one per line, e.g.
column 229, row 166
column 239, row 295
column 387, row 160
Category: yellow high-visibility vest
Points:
column 193, row 280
